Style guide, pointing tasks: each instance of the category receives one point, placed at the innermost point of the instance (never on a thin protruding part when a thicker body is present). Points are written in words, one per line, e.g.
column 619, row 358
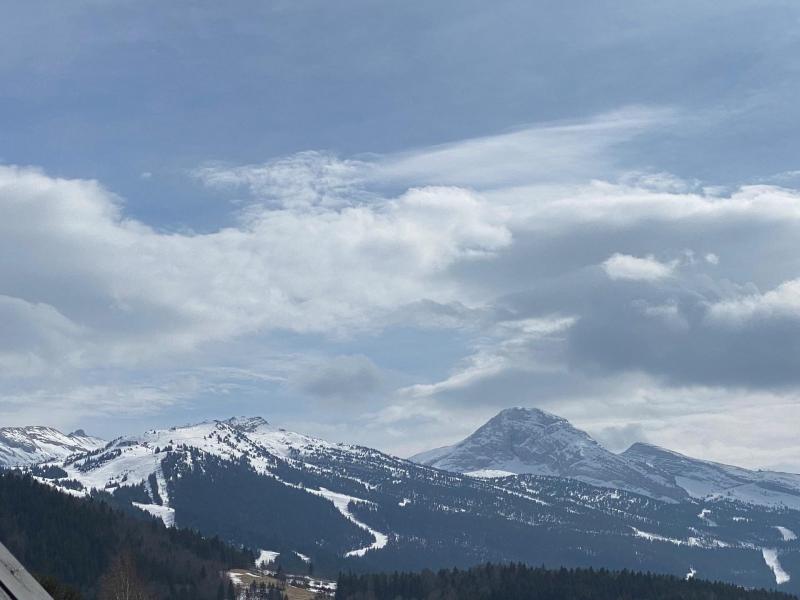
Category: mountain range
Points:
column 527, row 486
column 20, row 446
column 523, row 440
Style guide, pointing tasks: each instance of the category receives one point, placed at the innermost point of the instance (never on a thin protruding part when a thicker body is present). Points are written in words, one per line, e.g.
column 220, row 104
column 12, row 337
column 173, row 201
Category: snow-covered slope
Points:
column 252, row 483
column 705, row 479
column 130, row 460
column 146, row 468
column 21, row 446
column 526, row 440
column 529, row 440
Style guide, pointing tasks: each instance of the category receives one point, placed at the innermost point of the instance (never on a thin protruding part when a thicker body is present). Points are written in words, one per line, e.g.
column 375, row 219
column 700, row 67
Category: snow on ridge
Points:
column 266, row 557
column 165, row 513
column 691, row 541
column 787, row 534
column 771, row 558
column 137, row 457
column 135, row 460
column 489, row 473
column 532, row 441
column 341, row 502
column 161, row 482
column 654, row 537
column 709, row 480
column 23, row 446
column 704, row 515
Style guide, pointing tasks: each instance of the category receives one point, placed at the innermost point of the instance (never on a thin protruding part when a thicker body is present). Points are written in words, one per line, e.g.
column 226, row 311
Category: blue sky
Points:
column 383, row 222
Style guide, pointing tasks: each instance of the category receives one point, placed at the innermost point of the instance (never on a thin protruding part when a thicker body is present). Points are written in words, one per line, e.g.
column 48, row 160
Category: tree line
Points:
column 84, row 548
column 521, row 582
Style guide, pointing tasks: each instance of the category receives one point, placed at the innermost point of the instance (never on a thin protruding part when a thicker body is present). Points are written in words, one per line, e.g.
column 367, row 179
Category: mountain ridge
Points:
column 703, row 478
column 524, row 440
column 22, row 446
column 352, row 507
column 529, row 440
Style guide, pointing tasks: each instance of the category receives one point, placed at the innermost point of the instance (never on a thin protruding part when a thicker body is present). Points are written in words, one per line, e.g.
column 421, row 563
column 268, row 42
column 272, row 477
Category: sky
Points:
column 382, row 223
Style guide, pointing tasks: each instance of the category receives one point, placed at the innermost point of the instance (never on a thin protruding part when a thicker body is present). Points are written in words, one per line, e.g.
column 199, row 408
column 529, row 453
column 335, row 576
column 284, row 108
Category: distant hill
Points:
column 518, row 582
column 20, row 446
column 84, row 543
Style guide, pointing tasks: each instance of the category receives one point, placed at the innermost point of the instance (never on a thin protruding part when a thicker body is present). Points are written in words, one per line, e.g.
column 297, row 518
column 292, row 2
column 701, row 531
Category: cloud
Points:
column 523, row 345
column 35, row 338
column 300, row 181
column 126, row 292
column 620, row 437
column 91, row 292
column 344, row 378
column 781, row 303
column 59, row 406
column 544, row 152
column 504, row 285
column 633, row 268
column 619, row 205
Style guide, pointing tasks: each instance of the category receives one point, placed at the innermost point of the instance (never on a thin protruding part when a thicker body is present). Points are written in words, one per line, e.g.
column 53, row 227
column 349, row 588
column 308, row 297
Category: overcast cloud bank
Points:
column 602, row 300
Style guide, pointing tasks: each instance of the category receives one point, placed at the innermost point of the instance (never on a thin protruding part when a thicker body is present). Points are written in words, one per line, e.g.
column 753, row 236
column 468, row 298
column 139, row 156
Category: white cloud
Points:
column 549, row 152
column 510, row 345
column 320, row 249
column 65, row 406
column 300, row 181
column 35, row 338
column 122, row 291
column 712, row 423
column 550, row 208
column 634, row 268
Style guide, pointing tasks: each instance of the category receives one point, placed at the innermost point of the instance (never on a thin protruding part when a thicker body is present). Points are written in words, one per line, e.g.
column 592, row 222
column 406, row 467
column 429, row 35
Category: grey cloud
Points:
column 617, row 338
column 104, row 283
column 664, row 327
column 667, row 332
column 341, row 377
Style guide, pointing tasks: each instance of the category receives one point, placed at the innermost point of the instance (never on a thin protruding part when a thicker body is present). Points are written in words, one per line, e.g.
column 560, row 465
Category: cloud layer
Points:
column 416, row 293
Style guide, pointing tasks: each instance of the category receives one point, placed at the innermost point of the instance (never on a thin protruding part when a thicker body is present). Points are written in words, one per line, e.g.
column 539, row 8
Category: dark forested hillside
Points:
column 518, row 582
column 88, row 545
column 263, row 512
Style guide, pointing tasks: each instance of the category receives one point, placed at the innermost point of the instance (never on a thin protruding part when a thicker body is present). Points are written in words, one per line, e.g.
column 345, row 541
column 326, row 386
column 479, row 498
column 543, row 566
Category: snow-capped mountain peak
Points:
column 502, row 443
column 263, row 486
column 521, row 440
column 517, row 440
column 130, row 460
column 21, row 446
column 530, row 440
